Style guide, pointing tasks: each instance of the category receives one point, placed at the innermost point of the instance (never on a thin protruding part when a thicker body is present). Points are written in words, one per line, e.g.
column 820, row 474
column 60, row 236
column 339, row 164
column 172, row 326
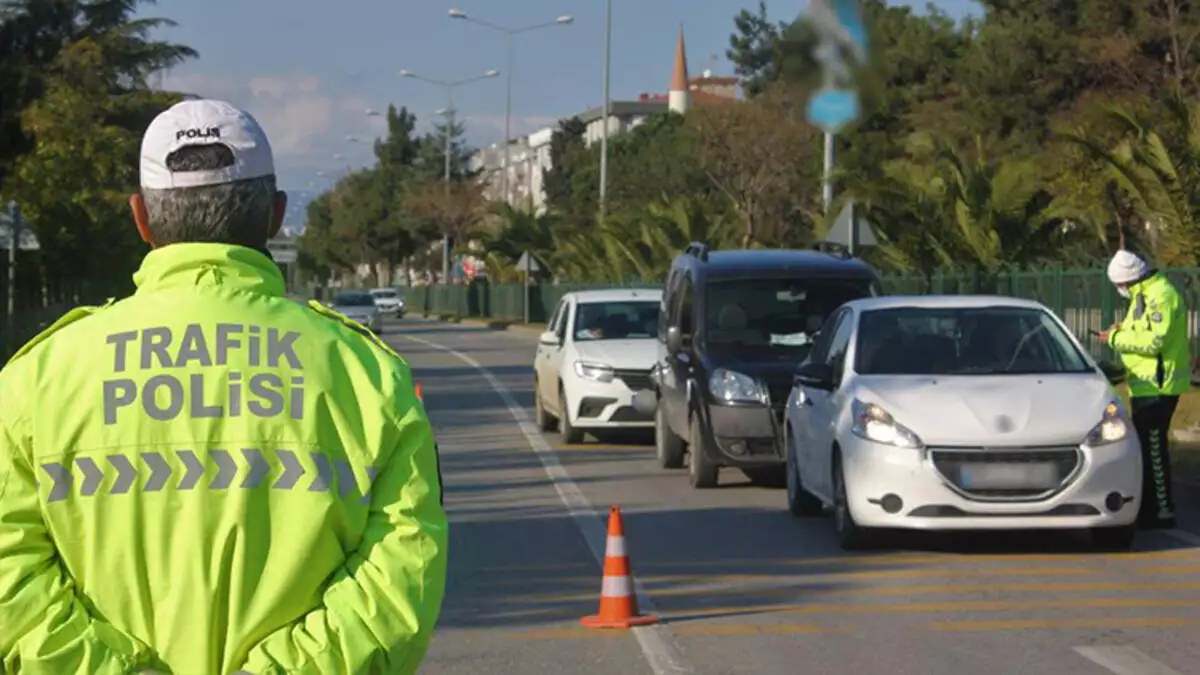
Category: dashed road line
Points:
column 1125, row 660
column 1028, row 624
column 658, row 644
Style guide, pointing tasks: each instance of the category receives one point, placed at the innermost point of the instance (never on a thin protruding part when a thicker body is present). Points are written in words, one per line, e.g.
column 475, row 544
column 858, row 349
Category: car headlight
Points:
column 597, row 372
column 877, row 425
column 733, row 387
column 1113, row 427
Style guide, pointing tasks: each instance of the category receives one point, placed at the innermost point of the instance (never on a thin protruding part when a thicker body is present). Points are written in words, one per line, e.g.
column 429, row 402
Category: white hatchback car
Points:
column 597, row 352
column 957, row 413
column 388, row 301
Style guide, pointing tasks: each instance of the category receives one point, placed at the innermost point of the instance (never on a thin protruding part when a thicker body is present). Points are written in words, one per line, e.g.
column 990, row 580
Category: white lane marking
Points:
column 1182, row 535
column 1125, row 660
column 658, row 644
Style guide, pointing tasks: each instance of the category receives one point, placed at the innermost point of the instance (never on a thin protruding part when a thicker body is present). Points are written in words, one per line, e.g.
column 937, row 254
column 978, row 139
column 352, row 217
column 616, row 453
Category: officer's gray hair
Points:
column 232, row 213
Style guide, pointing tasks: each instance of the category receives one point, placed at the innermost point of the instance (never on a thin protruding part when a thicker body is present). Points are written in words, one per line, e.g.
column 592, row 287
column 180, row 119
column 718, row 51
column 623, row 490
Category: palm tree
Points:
column 1000, row 211
column 1160, row 178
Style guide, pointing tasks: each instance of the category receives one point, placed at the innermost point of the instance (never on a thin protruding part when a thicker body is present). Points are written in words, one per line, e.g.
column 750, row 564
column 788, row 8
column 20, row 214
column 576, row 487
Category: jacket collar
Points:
column 210, row 265
column 1145, row 281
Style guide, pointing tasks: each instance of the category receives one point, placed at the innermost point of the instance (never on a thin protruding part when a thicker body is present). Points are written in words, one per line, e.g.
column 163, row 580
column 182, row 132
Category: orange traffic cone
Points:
column 618, row 602
column 417, row 389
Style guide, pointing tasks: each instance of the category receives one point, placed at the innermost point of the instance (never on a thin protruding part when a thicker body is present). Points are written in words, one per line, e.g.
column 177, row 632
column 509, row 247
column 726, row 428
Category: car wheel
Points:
column 801, row 502
column 1118, row 538
column 702, row 472
column 566, row 431
column 668, row 447
column 851, row 536
column 543, row 419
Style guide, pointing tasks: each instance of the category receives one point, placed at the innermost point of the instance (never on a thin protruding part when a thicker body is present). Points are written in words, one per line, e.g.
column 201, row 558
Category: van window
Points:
column 779, row 314
column 686, row 300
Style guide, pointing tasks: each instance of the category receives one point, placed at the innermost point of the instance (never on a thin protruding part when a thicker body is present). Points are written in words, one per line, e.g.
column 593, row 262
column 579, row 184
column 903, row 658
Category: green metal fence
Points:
column 1084, row 298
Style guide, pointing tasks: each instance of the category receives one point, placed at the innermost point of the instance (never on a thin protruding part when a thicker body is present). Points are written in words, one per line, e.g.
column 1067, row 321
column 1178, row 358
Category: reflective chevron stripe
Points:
column 157, row 468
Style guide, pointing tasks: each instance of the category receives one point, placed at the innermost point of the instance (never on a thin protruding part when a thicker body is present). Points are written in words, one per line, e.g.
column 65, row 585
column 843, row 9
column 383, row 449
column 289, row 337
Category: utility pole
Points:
column 827, row 181
column 607, row 104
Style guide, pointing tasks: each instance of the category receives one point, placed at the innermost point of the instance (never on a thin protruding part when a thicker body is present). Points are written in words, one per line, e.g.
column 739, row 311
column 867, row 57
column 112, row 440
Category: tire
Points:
column 702, row 472
column 668, row 448
column 851, row 536
column 544, row 420
column 567, row 432
column 1118, row 538
column 801, row 503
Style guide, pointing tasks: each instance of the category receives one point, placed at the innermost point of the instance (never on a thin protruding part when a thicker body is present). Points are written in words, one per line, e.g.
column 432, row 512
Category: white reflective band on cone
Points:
column 617, row 587
column 615, row 547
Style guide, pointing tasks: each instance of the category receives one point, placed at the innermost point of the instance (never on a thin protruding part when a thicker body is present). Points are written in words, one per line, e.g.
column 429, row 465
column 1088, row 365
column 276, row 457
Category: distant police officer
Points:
column 208, row 477
column 1153, row 344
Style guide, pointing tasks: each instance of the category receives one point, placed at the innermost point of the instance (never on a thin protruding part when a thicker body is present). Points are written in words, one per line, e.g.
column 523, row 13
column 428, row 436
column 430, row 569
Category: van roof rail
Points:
column 698, row 250
column 833, row 249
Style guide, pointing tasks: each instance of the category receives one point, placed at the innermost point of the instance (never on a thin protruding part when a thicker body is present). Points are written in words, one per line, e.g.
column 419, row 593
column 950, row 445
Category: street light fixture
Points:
column 448, row 113
column 509, row 34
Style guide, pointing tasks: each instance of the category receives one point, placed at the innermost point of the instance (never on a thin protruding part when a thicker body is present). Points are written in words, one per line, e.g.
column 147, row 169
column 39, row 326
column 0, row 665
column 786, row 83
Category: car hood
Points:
column 639, row 354
column 355, row 310
column 992, row 410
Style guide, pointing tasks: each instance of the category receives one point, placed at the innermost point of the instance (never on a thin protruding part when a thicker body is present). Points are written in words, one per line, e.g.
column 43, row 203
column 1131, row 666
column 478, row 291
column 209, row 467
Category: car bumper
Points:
column 1104, row 490
column 605, row 405
column 746, row 435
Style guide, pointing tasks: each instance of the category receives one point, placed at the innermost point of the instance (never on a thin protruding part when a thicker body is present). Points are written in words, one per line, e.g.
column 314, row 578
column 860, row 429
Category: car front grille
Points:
column 636, row 380
column 1032, row 474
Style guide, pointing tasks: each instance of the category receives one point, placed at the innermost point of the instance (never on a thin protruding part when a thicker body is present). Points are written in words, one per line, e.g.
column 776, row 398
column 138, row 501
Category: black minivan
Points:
column 733, row 327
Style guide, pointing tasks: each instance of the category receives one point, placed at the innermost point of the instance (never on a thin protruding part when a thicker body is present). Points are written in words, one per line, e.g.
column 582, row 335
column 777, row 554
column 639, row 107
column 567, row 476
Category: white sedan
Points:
column 596, row 355
column 958, row 413
column 388, row 301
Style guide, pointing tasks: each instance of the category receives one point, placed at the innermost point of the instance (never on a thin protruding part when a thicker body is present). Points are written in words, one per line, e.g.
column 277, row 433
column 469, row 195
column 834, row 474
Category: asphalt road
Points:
column 741, row 586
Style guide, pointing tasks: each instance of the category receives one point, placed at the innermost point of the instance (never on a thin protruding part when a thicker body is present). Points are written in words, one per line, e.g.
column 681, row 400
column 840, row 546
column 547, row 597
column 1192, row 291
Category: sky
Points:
column 309, row 70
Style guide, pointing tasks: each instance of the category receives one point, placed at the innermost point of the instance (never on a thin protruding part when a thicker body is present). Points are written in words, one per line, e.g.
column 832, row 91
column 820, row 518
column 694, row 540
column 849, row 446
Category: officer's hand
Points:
column 1103, row 337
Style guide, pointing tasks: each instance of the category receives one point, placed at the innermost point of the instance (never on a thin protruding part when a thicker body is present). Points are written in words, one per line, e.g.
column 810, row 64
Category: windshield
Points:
column 628, row 320
column 383, row 294
column 780, row 314
column 964, row 341
column 356, row 299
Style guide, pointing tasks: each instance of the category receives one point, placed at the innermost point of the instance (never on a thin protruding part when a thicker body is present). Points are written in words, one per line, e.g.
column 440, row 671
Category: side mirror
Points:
column 1115, row 372
column 645, row 402
column 814, row 375
column 674, row 340
column 549, row 338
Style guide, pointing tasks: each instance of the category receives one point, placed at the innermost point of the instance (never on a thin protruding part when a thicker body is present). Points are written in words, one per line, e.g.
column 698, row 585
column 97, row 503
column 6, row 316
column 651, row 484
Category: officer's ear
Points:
column 140, row 217
column 277, row 216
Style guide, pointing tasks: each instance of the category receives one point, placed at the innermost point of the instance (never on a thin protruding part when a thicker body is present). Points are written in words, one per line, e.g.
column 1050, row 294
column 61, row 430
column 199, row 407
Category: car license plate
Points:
column 1008, row 476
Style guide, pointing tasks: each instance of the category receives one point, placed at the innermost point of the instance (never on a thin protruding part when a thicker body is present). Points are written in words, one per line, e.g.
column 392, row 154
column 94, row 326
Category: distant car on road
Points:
column 735, row 325
column 597, row 352
column 359, row 306
column 388, row 301
column 959, row 413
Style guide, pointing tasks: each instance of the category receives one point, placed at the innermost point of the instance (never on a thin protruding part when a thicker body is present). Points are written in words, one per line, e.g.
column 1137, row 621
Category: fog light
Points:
column 891, row 503
column 1114, row 502
column 737, row 448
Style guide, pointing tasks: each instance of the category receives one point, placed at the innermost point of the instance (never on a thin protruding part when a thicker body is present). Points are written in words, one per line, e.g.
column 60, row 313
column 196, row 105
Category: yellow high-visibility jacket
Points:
column 208, row 477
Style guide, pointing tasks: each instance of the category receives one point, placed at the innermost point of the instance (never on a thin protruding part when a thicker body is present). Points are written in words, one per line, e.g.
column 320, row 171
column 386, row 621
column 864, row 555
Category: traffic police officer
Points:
column 208, row 477
column 1153, row 344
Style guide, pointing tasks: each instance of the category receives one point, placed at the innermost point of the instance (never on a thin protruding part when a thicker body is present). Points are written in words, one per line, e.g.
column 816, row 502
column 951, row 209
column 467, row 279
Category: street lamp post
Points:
column 509, row 34
column 607, row 104
column 448, row 112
